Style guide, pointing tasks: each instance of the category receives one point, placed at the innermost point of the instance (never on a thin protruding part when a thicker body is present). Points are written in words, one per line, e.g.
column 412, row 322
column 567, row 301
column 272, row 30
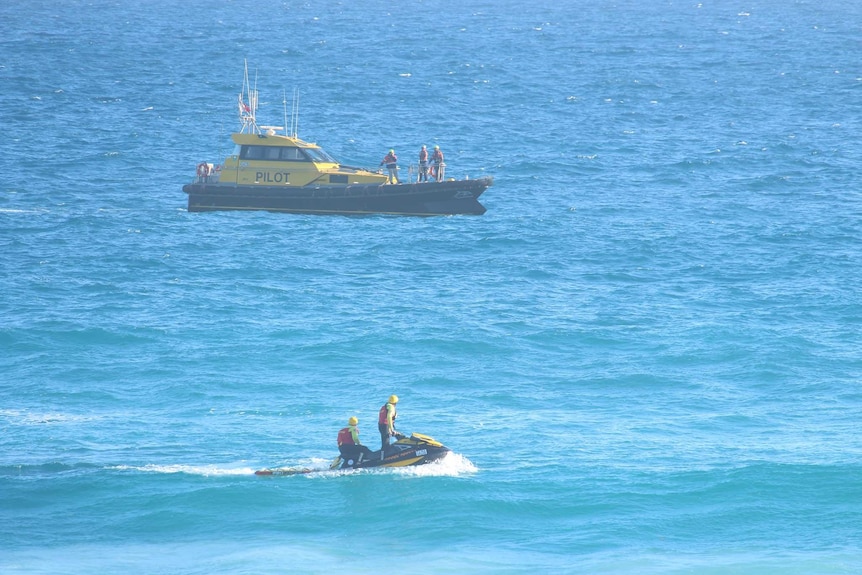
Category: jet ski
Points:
column 416, row 449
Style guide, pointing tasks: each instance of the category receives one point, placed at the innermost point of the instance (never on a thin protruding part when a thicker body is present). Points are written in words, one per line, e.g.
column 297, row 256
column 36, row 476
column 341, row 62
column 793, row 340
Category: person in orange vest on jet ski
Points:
column 391, row 161
column 386, row 423
column 348, row 442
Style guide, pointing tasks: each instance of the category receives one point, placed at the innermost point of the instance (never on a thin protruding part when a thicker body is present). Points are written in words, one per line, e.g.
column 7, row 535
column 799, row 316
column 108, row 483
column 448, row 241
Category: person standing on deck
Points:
column 439, row 166
column 391, row 162
column 423, row 164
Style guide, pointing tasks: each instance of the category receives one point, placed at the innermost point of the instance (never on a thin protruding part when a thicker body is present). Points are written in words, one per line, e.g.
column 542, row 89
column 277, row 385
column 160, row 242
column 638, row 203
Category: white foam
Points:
column 26, row 417
column 453, row 465
column 205, row 470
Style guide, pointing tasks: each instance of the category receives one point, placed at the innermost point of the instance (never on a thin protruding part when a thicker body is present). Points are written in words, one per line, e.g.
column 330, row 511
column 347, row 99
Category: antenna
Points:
column 294, row 115
column 284, row 106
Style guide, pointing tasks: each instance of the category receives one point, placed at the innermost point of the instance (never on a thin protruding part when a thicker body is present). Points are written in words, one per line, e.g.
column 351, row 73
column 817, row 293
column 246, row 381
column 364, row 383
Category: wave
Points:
column 26, row 417
column 51, row 468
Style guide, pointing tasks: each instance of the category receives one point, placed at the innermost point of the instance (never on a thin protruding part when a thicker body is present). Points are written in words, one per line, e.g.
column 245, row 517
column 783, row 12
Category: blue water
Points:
column 645, row 356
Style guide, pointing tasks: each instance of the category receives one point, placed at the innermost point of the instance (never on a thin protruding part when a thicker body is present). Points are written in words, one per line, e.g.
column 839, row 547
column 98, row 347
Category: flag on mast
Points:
column 243, row 107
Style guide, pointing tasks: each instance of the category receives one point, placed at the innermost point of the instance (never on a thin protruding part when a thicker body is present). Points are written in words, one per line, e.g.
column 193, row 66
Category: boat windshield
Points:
column 318, row 155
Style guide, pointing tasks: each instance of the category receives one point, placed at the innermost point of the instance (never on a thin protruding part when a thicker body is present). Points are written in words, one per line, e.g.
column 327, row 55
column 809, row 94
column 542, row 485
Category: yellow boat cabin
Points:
column 276, row 160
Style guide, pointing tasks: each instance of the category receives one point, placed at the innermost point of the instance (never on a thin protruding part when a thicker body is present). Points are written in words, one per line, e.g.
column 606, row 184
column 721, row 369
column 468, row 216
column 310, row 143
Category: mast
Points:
column 248, row 103
column 248, row 106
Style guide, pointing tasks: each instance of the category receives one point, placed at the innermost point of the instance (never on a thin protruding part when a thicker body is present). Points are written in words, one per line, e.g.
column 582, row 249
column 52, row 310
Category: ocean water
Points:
column 645, row 356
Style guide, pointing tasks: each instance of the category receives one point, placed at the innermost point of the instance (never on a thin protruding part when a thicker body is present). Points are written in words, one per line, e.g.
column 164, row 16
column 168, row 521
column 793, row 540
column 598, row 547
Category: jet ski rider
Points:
column 386, row 422
column 348, row 442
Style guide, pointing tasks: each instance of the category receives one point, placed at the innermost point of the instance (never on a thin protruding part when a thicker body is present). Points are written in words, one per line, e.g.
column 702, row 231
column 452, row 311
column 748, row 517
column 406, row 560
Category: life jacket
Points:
column 381, row 419
column 345, row 437
column 390, row 160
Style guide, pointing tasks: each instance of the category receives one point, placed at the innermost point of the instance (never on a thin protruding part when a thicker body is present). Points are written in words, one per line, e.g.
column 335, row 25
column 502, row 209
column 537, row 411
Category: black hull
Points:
column 422, row 199
column 414, row 455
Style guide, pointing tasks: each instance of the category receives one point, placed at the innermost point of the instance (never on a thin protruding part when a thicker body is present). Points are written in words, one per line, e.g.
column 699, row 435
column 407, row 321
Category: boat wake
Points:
column 452, row 465
column 204, row 470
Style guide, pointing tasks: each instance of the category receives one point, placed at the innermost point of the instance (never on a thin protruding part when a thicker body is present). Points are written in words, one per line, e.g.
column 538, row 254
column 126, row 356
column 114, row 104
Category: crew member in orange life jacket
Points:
column 348, row 442
column 386, row 423
column 439, row 166
column 391, row 161
column 423, row 164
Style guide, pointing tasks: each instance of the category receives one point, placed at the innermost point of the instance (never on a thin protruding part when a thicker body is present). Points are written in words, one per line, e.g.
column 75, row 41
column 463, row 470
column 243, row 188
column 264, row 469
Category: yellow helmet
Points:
column 393, row 399
column 352, row 421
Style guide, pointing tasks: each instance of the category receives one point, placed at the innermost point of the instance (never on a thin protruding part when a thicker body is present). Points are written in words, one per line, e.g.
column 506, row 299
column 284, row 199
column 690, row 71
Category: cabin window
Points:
column 251, row 153
column 318, row 155
column 293, row 155
column 272, row 153
column 337, row 179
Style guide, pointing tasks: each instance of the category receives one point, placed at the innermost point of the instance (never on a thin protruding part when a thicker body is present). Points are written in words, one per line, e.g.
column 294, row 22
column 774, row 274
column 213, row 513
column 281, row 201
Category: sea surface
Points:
column 646, row 356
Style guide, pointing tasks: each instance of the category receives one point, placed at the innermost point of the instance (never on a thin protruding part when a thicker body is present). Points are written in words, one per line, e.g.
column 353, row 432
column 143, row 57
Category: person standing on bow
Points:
column 386, row 423
column 391, row 163
column 348, row 442
column 423, row 164
column 439, row 166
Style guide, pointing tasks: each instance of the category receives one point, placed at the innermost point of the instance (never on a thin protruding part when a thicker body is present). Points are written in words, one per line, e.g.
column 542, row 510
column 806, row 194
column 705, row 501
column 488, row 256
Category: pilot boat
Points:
column 272, row 169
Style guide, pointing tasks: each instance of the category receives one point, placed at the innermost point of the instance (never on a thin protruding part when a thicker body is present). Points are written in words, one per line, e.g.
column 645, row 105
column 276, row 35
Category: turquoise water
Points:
column 645, row 356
